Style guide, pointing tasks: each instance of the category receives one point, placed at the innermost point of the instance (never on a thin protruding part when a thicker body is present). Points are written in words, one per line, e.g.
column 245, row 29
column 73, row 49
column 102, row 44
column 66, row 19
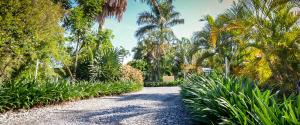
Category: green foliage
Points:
column 106, row 65
column 91, row 8
column 218, row 100
column 27, row 94
column 163, row 84
column 259, row 38
column 29, row 31
column 139, row 64
column 155, row 34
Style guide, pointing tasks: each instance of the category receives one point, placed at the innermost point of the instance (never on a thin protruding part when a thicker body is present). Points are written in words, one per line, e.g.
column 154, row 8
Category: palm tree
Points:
column 265, row 30
column 116, row 8
column 274, row 29
column 218, row 39
column 154, row 4
column 184, row 51
column 111, row 8
column 156, row 26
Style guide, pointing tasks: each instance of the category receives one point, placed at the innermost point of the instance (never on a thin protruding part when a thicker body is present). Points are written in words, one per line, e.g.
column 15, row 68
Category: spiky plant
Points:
column 219, row 100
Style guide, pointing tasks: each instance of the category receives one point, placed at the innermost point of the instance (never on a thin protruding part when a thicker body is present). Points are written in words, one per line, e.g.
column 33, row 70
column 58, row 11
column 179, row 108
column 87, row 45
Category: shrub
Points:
column 27, row 94
column 218, row 100
column 139, row 64
column 163, row 84
column 106, row 65
column 131, row 74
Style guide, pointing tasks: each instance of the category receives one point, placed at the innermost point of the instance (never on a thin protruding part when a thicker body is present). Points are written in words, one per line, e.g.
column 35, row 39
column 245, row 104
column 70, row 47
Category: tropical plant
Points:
column 106, row 64
column 156, row 31
column 111, row 8
column 219, row 100
column 186, row 55
column 275, row 33
column 139, row 64
column 253, row 35
column 27, row 94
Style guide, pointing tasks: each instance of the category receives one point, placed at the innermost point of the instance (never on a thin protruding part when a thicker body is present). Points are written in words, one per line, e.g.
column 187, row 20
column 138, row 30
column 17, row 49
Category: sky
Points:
column 191, row 10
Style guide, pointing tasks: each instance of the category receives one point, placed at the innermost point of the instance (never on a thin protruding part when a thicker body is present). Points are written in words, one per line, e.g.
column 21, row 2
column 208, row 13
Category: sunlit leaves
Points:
column 29, row 31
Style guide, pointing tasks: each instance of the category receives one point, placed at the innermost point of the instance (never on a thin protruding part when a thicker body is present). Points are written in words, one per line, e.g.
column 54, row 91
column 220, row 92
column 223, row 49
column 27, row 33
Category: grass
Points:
column 163, row 84
column 27, row 94
column 218, row 100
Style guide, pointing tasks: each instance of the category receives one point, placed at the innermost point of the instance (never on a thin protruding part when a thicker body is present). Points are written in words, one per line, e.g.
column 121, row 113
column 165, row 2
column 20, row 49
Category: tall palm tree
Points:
column 157, row 24
column 154, row 4
column 116, row 8
column 218, row 38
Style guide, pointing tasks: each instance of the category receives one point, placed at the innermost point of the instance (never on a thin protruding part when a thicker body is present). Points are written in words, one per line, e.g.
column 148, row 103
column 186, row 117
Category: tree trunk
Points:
column 76, row 61
column 99, row 42
column 158, row 63
column 155, row 5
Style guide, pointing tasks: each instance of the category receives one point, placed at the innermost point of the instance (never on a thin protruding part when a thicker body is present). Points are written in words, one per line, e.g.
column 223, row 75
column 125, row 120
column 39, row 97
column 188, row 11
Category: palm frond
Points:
column 146, row 18
column 144, row 30
column 175, row 22
column 112, row 8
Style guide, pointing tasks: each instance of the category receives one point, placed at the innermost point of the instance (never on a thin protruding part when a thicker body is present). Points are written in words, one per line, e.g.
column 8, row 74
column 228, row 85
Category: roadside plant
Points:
column 219, row 100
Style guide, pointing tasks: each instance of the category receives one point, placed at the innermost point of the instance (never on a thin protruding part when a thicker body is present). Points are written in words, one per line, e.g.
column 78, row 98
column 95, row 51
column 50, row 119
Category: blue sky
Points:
column 191, row 11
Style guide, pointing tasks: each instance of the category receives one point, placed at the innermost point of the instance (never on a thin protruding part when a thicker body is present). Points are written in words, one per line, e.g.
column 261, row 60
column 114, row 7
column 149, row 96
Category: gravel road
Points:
column 151, row 106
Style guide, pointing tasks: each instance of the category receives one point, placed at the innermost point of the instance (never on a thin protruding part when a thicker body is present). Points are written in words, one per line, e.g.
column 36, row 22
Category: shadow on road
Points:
column 141, row 109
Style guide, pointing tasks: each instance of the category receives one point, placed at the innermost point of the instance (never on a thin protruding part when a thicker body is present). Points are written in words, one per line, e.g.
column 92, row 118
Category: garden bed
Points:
column 26, row 94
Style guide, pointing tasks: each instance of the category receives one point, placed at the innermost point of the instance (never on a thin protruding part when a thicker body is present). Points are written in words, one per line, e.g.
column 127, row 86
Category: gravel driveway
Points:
column 151, row 106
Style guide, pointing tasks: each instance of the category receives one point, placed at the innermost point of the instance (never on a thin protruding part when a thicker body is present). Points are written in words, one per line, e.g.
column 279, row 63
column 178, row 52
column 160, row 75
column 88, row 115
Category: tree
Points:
column 158, row 31
column 275, row 33
column 29, row 31
column 263, row 37
column 116, row 8
column 111, row 8
column 185, row 55
column 107, row 61
column 79, row 26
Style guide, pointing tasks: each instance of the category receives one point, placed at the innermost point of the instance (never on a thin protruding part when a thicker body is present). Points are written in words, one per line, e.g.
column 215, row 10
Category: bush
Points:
column 163, row 84
column 27, row 94
column 139, row 64
column 217, row 100
column 131, row 74
column 106, row 65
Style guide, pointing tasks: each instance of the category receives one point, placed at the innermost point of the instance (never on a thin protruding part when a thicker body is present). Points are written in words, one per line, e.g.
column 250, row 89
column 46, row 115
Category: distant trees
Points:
column 260, row 40
column 156, row 32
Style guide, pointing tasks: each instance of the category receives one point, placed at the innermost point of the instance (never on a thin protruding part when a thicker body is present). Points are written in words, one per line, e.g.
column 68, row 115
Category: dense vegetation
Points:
column 51, row 52
column 163, row 84
column 218, row 100
column 254, row 39
column 27, row 94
